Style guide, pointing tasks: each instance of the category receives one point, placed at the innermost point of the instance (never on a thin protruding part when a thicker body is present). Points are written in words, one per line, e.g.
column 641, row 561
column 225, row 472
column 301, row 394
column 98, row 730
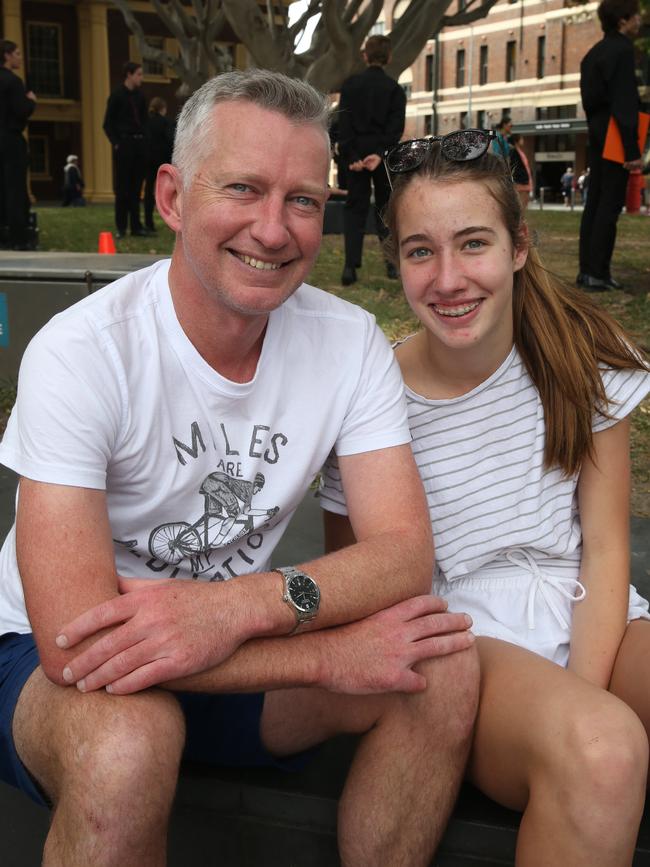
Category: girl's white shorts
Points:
column 501, row 608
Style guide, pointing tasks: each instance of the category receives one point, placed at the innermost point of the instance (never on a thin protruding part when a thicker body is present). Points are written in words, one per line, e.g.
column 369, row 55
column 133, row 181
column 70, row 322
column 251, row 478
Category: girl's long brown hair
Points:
column 562, row 335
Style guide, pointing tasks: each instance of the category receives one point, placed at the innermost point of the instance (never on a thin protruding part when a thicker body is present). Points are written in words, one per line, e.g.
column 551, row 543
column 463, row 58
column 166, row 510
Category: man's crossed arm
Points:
column 231, row 636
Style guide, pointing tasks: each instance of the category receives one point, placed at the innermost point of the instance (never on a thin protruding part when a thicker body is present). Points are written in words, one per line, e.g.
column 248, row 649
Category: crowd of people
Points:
column 219, row 383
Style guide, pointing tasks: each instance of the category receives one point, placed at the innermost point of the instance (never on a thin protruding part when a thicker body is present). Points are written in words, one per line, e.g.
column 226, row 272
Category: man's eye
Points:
column 306, row 202
column 240, row 187
column 475, row 244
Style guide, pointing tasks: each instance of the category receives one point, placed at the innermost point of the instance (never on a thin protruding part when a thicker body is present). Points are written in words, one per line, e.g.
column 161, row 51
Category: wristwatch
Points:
column 301, row 593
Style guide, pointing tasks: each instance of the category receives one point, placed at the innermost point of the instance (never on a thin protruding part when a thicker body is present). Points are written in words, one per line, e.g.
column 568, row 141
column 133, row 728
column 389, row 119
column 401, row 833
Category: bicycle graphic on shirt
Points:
column 227, row 505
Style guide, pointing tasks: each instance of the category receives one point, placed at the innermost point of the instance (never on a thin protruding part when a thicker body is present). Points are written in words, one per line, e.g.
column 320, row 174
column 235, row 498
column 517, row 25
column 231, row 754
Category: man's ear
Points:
column 169, row 195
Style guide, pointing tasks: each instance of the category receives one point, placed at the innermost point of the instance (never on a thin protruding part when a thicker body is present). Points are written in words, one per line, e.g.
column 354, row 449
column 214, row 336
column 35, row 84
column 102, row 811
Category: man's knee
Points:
column 452, row 692
column 112, row 746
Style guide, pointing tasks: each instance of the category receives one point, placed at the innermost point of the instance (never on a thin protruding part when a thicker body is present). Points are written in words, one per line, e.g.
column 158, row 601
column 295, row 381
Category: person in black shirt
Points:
column 125, row 124
column 16, row 105
column 609, row 89
column 371, row 119
column 160, row 144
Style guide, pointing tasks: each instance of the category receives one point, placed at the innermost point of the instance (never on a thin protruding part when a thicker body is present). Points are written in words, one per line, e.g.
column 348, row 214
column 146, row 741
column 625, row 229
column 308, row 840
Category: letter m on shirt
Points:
column 193, row 450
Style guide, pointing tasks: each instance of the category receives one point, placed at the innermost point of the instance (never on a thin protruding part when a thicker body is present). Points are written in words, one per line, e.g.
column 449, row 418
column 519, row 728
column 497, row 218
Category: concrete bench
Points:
column 267, row 818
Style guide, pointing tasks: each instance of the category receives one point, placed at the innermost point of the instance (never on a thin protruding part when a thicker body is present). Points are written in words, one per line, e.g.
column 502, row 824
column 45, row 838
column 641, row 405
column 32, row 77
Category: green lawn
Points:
column 77, row 230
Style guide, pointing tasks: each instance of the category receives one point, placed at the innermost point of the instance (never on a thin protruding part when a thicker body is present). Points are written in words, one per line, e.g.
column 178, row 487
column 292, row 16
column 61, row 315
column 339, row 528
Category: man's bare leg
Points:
column 405, row 776
column 110, row 766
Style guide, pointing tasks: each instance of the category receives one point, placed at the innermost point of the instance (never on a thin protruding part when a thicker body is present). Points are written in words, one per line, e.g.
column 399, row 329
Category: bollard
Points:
column 106, row 243
column 635, row 184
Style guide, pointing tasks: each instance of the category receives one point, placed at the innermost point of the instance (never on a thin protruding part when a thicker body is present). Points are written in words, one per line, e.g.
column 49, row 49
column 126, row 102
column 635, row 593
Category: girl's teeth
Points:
column 455, row 311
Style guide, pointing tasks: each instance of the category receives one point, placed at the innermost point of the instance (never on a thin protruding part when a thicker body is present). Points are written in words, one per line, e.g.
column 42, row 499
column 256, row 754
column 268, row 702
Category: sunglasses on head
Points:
column 460, row 146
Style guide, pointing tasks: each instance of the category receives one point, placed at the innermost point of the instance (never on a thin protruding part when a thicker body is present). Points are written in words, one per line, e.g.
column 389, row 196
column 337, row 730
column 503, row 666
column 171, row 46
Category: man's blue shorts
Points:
column 221, row 729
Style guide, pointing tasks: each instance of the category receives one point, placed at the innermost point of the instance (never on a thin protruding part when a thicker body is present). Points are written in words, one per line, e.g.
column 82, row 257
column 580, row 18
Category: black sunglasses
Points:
column 460, row 146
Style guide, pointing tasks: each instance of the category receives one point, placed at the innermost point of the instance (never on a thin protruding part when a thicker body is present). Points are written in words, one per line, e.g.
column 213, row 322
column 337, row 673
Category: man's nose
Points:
column 270, row 228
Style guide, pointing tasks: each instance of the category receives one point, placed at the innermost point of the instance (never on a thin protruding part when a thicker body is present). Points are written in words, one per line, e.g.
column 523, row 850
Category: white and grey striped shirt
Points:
column 481, row 460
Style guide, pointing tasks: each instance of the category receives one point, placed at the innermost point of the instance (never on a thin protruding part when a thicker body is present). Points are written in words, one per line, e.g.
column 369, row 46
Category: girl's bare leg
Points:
column 571, row 756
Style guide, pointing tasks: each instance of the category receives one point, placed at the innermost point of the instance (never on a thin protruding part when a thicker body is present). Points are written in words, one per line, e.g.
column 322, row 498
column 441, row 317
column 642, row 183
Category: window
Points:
column 154, row 67
column 39, row 157
column 429, row 72
column 481, row 120
column 460, row 67
column 541, row 56
column 428, row 124
column 377, row 28
column 463, row 121
column 556, row 112
column 483, row 65
column 462, row 5
column 408, row 89
column 45, row 72
column 511, row 60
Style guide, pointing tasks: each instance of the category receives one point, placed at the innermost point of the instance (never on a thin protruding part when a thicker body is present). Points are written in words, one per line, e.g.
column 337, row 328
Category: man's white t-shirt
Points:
column 201, row 474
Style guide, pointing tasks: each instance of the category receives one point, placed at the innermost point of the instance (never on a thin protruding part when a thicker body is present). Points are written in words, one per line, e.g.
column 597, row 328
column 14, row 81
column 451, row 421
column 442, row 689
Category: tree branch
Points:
column 469, row 15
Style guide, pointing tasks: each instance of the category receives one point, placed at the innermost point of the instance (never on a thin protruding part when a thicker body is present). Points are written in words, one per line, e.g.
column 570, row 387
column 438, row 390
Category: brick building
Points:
column 523, row 60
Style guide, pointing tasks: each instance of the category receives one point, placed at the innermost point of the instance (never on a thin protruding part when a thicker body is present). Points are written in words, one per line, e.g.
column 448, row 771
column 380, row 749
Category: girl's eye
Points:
column 418, row 253
column 475, row 244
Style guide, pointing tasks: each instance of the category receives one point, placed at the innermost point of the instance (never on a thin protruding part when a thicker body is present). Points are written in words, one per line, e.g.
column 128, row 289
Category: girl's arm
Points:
column 599, row 621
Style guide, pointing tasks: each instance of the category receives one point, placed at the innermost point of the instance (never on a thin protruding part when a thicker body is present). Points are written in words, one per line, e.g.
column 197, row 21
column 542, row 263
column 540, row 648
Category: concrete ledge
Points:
column 268, row 818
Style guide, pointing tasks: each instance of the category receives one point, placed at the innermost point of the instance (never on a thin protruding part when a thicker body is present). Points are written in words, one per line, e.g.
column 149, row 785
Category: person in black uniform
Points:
column 371, row 119
column 609, row 89
column 16, row 105
column 160, row 144
column 125, row 124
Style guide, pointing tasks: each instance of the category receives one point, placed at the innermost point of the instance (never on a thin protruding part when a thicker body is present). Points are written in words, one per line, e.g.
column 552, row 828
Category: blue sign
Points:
column 4, row 320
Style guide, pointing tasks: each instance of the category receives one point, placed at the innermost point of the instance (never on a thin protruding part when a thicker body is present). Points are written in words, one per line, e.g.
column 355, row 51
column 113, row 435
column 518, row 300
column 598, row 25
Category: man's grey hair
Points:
column 295, row 99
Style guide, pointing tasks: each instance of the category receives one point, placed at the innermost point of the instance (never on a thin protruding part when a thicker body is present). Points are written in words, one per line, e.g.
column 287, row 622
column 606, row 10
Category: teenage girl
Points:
column 519, row 391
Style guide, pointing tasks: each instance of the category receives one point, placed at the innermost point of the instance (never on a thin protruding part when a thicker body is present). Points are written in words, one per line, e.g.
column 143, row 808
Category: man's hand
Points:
column 356, row 166
column 377, row 654
column 31, row 95
column 633, row 165
column 371, row 162
column 162, row 630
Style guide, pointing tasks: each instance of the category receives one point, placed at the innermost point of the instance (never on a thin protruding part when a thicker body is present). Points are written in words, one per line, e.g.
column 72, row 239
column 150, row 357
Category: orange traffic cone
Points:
column 106, row 243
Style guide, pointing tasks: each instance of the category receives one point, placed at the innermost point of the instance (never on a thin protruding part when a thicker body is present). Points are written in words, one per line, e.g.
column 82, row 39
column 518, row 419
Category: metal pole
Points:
column 470, row 72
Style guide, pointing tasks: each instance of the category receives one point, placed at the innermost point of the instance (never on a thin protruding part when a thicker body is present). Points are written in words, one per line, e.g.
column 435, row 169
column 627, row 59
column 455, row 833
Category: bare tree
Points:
column 262, row 26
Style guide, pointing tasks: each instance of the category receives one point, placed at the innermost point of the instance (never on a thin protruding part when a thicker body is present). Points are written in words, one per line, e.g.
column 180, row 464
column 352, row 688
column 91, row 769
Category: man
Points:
column 609, row 89
column 16, row 106
column 371, row 119
column 223, row 361
column 160, row 143
column 125, row 124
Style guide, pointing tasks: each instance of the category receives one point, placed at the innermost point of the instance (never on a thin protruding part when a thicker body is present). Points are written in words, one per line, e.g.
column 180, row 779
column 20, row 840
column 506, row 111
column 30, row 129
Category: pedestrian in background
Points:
column 125, row 124
column 160, row 144
column 521, row 174
column 609, row 89
column 372, row 112
column 16, row 106
column 583, row 185
column 73, row 184
column 567, row 185
column 500, row 145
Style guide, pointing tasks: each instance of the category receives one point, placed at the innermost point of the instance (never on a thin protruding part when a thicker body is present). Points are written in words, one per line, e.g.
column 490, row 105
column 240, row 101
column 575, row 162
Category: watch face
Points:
column 304, row 592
